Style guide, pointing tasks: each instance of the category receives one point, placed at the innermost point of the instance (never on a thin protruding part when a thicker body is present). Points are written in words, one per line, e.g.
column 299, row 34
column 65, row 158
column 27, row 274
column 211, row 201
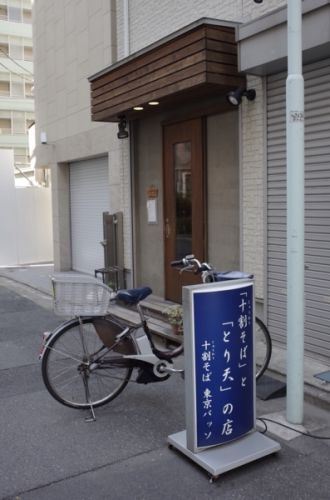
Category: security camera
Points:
column 258, row 1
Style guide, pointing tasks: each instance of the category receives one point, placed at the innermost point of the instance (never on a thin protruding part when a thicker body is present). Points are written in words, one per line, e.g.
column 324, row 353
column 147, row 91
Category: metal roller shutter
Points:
column 317, row 208
column 89, row 198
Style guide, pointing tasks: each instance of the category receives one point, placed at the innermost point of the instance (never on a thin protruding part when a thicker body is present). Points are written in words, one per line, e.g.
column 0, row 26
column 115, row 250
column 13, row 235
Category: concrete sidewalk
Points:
column 34, row 276
column 48, row 451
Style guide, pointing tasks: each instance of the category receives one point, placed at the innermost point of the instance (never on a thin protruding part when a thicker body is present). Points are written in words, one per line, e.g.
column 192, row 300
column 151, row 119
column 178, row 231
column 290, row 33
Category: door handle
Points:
column 167, row 229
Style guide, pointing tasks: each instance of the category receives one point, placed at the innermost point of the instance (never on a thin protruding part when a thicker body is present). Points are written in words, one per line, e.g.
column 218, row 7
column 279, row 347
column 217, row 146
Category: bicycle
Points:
column 87, row 361
column 262, row 339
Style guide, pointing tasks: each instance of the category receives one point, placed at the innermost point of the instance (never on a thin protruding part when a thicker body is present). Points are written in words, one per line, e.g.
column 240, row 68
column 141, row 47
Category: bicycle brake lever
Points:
column 185, row 268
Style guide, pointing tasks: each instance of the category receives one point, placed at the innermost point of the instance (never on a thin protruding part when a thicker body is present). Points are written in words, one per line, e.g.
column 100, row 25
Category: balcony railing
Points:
column 23, row 20
column 9, row 131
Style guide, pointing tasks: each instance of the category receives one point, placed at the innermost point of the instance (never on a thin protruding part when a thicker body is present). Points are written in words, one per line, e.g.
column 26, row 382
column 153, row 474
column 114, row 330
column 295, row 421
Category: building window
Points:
column 4, row 89
column 16, row 47
column 28, row 89
column 5, row 126
column 18, row 122
column 3, row 12
column 29, row 120
column 15, row 12
column 4, row 49
column 21, row 156
column 4, row 85
column 15, row 122
column 28, row 53
column 27, row 16
column 16, row 86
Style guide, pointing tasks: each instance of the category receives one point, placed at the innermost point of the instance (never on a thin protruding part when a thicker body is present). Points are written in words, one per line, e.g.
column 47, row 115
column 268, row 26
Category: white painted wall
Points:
column 25, row 219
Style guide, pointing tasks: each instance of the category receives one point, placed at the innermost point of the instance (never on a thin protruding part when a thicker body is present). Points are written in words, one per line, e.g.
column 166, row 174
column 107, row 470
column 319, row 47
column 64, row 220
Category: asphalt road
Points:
column 49, row 452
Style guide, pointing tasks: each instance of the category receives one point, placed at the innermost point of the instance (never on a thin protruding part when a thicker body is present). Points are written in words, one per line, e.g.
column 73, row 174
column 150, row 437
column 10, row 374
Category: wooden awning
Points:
column 198, row 61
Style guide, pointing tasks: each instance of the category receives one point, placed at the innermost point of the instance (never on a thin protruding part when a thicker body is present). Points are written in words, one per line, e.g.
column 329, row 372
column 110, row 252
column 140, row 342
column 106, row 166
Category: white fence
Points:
column 26, row 234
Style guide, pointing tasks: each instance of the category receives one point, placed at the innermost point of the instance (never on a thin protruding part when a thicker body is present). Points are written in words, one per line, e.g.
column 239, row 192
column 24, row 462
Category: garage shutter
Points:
column 317, row 208
column 89, row 198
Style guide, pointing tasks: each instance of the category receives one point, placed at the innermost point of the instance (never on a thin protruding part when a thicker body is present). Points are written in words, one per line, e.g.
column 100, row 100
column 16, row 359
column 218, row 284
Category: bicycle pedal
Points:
column 146, row 376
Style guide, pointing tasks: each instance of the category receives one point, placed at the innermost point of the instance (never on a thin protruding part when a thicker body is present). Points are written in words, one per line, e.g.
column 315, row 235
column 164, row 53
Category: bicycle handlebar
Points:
column 177, row 263
column 190, row 263
column 209, row 274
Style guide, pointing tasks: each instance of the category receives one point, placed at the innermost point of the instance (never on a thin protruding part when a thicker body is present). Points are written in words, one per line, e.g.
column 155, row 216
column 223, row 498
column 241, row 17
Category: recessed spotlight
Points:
column 153, row 103
column 138, row 108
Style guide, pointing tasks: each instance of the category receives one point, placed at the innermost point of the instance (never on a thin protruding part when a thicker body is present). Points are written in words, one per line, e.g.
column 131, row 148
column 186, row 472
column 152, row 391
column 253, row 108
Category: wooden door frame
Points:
column 203, row 201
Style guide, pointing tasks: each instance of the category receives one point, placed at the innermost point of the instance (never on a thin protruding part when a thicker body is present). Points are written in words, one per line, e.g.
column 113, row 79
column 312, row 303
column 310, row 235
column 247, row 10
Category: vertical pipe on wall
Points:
column 130, row 153
column 126, row 29
column 295, row 216
column 113, row 30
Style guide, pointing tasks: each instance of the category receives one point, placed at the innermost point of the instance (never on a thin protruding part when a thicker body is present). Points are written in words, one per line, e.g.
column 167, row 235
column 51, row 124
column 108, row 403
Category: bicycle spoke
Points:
column 78, row 373
column 66, row 355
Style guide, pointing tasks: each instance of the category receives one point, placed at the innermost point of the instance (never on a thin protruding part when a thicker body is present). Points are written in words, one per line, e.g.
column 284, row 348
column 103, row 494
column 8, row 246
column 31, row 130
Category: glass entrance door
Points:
column 183, row 189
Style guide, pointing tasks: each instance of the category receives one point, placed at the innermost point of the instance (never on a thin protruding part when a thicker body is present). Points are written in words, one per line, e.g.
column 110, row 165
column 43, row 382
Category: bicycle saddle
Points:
column 134, row 295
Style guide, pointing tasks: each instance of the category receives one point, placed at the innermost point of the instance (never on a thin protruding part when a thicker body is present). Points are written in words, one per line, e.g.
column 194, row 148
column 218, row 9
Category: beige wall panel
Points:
column 223, row 190
column 149, row 237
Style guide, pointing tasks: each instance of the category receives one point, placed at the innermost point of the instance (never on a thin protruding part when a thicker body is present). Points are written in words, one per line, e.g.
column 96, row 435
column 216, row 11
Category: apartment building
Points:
column 16, row 82
column 134, row 107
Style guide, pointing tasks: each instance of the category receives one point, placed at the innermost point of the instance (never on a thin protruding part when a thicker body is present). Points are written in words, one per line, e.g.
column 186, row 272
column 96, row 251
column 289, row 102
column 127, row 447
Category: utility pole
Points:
column 295, row 216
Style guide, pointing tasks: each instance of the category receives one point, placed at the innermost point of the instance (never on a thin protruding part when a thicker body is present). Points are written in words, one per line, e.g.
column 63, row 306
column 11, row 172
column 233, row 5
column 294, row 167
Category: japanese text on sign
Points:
column 224, row 364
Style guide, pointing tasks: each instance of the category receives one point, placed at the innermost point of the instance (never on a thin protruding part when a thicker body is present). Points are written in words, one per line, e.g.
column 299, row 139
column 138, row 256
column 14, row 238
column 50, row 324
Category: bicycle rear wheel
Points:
column 263, row 347
column 79, row 371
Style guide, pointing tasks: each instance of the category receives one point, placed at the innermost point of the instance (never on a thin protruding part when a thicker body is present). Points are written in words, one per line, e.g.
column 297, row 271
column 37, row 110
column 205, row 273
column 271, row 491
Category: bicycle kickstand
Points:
column 92, row 416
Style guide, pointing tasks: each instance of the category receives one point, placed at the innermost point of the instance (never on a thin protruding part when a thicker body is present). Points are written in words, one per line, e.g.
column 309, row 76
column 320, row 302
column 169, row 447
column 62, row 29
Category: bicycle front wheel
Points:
column 263, row 347
column 79, row 371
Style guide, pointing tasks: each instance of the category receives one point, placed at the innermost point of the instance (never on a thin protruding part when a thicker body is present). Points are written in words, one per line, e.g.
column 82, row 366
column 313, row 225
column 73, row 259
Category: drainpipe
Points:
column 130, row 151
column 126, row 28
column 295, row 216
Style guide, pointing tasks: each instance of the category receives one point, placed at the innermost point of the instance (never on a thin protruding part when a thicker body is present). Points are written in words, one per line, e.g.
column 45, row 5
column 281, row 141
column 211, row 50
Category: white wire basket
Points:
column 80, row 296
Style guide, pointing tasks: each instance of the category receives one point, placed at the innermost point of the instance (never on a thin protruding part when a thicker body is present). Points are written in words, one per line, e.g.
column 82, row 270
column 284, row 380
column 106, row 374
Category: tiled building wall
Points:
column 253, row 169
column 150, row 20
column 74, row 40
column 147, row 24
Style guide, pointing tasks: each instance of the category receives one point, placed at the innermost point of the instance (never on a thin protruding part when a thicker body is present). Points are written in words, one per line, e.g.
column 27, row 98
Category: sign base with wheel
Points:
column 219, row 460
column 220, row 387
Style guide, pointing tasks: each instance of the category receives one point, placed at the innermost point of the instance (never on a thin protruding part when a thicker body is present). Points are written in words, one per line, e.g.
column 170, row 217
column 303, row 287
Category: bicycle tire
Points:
column 263, row 347
column 67, row 366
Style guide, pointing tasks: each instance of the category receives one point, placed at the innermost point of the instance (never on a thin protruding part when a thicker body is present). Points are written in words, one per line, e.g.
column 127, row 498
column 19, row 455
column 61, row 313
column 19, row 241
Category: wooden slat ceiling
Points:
column 198, row 62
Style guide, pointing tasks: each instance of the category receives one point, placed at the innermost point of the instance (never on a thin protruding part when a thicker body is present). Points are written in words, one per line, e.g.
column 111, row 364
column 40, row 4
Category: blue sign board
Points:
column 222, row 403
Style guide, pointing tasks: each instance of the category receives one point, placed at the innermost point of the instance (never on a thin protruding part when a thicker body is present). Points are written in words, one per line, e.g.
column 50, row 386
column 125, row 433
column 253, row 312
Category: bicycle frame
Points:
column 146, row 351
column 107, row 343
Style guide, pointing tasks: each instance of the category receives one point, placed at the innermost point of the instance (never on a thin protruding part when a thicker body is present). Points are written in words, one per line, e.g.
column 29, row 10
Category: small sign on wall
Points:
column 152, row 195
column 152, row 211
